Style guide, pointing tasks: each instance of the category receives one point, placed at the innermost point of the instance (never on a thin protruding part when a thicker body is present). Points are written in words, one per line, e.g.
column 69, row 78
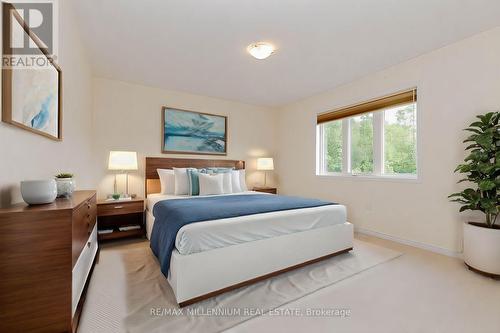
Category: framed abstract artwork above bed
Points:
column 190, row 132
column 31, row 92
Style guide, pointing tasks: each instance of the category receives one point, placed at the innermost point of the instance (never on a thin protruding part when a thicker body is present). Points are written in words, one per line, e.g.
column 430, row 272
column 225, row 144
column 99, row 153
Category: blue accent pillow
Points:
column 194, row 180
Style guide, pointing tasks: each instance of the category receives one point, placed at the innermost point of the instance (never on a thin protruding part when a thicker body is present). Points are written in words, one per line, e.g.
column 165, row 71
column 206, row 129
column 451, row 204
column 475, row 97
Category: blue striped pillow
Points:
column 194, row 180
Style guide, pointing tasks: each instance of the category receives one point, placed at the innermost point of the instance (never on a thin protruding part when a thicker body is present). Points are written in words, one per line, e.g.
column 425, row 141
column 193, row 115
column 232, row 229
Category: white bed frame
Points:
column 202, row 275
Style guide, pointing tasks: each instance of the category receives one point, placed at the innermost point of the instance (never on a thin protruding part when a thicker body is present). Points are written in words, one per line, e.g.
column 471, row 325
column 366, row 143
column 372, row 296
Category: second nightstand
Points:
column 120, row 219
column 272, row 190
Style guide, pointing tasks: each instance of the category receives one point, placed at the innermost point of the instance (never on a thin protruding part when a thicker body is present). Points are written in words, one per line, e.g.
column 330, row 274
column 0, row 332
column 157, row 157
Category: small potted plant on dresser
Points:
column 65, row 184
column 482, row 169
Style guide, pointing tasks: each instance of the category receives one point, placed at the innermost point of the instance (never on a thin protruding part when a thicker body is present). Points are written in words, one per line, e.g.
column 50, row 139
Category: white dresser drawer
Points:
column 82, row 268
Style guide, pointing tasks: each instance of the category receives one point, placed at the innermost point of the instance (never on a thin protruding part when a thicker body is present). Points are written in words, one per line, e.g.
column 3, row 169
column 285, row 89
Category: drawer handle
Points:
column 89, row 205
column 118, row 207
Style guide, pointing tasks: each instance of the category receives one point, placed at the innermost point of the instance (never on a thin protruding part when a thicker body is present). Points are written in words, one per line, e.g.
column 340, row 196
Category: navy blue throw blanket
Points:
column 172, row 215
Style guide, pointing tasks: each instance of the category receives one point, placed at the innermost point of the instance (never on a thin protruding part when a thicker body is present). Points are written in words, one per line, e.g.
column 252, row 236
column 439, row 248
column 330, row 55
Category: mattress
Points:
column 208, row 235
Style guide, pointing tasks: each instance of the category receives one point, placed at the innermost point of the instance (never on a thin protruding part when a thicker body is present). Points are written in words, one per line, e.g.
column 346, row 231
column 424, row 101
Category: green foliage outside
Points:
column 400, row 138
column 399, row 147
column 362, row 143
column 333, row 137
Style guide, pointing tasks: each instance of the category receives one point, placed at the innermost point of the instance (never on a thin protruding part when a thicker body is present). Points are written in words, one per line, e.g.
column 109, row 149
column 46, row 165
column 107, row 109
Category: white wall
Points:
column 24, row 155
column 454, row 84
column 128, row 117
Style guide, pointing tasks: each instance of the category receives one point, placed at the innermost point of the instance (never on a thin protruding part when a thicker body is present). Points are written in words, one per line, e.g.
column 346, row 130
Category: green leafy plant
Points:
column 64, row 175
column 482, row 168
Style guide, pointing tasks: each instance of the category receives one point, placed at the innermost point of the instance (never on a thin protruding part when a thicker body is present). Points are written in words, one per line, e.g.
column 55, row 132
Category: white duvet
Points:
column 208, row 235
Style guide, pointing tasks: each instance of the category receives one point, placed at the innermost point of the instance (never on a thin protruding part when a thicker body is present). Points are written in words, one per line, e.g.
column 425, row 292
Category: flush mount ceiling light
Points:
column 260, row 50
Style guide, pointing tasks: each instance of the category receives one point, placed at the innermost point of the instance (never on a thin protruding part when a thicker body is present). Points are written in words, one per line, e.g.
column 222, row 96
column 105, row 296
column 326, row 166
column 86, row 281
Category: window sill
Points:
column 384, row 178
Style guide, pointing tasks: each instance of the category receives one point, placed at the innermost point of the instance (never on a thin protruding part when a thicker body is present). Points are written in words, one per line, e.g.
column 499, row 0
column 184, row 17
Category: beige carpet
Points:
column 127, row 292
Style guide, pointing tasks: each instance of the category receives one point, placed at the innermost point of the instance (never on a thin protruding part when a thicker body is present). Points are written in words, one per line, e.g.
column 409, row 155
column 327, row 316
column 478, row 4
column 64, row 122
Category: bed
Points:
column 216, row 256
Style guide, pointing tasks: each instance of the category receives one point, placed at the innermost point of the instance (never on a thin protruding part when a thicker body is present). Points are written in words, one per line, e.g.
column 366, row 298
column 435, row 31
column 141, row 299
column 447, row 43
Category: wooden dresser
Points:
column 46, row 255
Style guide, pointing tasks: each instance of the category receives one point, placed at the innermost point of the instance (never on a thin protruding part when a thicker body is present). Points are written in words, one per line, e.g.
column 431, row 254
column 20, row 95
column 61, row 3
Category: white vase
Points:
column 65, row 187
column 38, row 192
column 482, row 249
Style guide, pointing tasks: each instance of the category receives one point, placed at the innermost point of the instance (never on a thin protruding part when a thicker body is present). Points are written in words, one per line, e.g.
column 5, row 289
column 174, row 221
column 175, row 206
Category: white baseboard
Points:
column 423, row 246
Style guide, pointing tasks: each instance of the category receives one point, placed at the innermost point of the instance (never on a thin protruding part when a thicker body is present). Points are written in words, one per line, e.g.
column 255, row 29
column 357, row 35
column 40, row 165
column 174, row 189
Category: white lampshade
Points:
column 265, row 163
column 122, row 160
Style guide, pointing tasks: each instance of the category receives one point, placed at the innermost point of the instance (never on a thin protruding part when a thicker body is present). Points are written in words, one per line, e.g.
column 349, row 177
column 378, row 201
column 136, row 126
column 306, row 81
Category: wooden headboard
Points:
column 152, row 182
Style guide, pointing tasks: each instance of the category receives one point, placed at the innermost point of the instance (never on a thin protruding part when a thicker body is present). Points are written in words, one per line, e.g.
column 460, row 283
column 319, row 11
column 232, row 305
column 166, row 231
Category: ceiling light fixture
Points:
column 260, row 50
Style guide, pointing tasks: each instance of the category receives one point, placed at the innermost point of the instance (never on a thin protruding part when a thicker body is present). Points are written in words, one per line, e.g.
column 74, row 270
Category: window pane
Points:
column 333, row 146
column 362, row 143
column 400, row 140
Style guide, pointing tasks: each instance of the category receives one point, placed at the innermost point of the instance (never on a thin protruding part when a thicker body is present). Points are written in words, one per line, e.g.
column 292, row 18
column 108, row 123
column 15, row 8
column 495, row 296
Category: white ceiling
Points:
column 199, row 46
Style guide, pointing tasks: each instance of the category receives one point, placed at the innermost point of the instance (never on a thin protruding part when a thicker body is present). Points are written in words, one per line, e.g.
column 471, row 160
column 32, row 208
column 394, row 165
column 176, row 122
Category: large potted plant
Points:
column 482, row 170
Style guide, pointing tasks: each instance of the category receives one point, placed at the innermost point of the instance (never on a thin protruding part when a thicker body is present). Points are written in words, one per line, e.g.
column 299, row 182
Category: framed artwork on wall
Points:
column 191, row 132
column 31, row 92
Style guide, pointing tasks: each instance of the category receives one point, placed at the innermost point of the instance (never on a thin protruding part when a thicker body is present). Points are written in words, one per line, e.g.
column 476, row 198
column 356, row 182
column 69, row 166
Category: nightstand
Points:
column 120, row 219
column 272, row 190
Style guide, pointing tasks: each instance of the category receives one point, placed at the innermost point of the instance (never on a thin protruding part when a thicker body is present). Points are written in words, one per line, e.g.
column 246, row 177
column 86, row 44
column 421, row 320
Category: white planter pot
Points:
column 65, row 187
column 37, row 192
column 482, row 249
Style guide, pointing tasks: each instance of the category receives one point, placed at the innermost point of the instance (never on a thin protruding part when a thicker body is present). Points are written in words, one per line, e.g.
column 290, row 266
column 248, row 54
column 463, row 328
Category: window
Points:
column 377, row 138
column 333, row 139
column 362, row 143
column 400, row 140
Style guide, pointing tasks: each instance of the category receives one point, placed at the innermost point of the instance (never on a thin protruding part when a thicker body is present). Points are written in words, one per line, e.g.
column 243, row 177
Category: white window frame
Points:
column 378, row 151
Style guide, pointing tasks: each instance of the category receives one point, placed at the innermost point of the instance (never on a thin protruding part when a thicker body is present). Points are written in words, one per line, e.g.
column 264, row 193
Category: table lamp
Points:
column 123, row 161
column 265, row 164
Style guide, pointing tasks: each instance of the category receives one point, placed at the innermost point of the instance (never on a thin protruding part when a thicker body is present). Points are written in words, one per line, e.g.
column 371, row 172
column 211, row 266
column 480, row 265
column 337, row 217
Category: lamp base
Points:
column 122, row 196
column 265, row 179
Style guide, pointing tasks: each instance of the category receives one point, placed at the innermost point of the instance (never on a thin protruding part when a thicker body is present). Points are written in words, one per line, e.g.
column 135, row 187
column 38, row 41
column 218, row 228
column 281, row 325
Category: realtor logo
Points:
column 28, row 33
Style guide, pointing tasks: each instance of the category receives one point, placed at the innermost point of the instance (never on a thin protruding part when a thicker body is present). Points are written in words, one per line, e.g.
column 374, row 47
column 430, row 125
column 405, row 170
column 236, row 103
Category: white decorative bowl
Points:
column 37, row 192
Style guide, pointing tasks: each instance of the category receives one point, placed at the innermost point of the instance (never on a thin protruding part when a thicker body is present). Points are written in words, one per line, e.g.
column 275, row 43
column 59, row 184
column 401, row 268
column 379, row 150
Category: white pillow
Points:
column 235, row 181
column 211, row 184
column 181, row 181
column 243, row 181
column 167, row 181
column 227, row 184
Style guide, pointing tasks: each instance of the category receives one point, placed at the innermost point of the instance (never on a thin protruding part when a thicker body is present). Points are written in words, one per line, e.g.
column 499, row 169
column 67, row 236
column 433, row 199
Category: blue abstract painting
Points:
column 32, row 92
column 193, row 132
column 35, row 103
